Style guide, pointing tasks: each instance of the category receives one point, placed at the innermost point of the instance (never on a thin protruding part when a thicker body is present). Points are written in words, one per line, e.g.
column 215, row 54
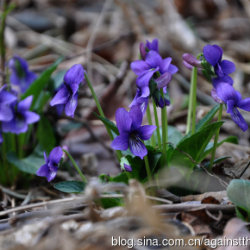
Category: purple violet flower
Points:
column 20, row 73
column 6, row 98
column 144, row 48
column 22, row 117
column 233, row 100
column 131, row 132
column 141, row 98
column 49, row 169
column 153, row 63
column 66, row 97
column 222, row 68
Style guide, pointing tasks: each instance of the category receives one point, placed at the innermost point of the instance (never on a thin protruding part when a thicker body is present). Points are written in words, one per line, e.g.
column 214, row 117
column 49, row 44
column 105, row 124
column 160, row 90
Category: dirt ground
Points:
column 104, row 37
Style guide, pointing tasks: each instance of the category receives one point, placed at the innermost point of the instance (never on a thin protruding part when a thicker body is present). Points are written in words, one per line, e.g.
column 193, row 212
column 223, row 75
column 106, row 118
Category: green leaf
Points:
column 111, row 202
column 191, row 148
column 58, row 79
column 154, row 157
column 122, row 177
column 242, row 214
column 238, row 192
column 45, row 135
column 174, row 135
column 217, row 161
column 104, row 178
column 42, row 100
column 70, row 186
column 29, row 164
column 209, row 148
column 41, row 82
column 207, row 118
column 108, row 123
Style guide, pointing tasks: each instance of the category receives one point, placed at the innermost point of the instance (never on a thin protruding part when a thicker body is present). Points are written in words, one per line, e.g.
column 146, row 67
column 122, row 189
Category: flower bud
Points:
column 127, row 168
column 191, row 60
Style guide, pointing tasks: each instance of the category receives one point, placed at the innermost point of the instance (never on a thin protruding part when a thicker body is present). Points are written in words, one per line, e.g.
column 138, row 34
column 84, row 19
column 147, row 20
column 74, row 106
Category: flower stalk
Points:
column 76, row 166
column 216, row 138
column 98, row 105
column 191, row 119
column 157, row 125
column 2, row 39
column 164, row 124
column 194, row 81
column 150, row 123
column 147, row 168
column 6, row 9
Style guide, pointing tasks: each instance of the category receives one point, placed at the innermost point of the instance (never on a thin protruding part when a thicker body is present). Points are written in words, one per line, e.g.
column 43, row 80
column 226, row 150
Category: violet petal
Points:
column 61, row 97
column 146, row 131
column 137, row 148
column 123, row 120
column 120, row 142
column 212, row 54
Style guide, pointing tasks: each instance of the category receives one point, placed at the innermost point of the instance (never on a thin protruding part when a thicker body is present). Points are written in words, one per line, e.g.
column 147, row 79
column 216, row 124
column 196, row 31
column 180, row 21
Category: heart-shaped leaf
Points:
column 207, row 118
column 29, row 164
column 70, row 186
column 190, row 149
column 238, row 192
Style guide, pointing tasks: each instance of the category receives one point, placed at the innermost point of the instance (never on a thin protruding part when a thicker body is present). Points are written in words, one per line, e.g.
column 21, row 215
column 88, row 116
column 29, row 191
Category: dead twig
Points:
column 41, row 204
column 175, row 208
column 244, row 170
column 92, row 38
column 12, row 193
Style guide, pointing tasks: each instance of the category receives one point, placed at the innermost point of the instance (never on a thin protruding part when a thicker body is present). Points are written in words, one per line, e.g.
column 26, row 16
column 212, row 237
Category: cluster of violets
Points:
column 154, row 73
column 15, row 116
column 65, row 99
column 223, row 90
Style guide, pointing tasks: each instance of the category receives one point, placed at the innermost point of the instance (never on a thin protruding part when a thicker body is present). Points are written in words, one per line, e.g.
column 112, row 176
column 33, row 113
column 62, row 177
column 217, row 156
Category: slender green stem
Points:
column 6, row 9
column 150, row 123
column 216, row 138
column 194, row 80
column 20, row 143
column 5, row 178
column 11, row 137
column 75, row 166
column 98, row 105
column 128, row 175
column 164, row 125
column 147, row 168
column 2, row 40
column 192, row 103
column 157, row 125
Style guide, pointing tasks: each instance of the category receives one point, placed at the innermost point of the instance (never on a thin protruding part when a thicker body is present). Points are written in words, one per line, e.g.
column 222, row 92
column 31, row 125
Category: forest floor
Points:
column 104, row 37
